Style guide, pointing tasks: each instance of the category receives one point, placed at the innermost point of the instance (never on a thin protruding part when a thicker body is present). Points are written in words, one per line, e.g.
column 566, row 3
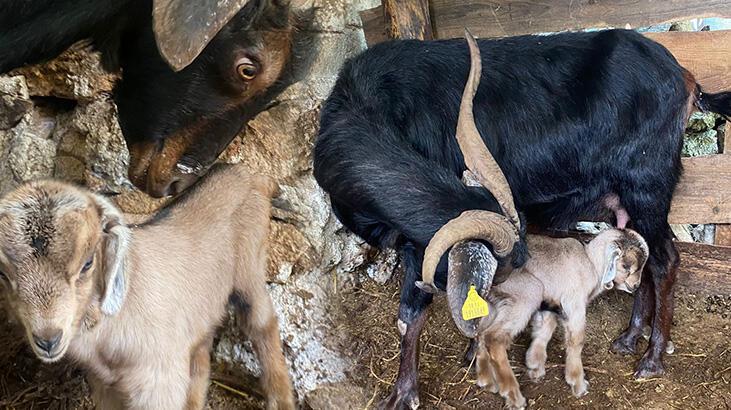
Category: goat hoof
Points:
column 536, row 375
column 580, row 389
column 625, row 344
column 516, row 403
column 649, row 367
column 486, row 382
column 401, row 399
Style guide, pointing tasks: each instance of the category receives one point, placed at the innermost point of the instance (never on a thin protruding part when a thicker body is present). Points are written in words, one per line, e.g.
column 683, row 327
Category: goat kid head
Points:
column 624, row 257
column 62, row 256
column 176, row 124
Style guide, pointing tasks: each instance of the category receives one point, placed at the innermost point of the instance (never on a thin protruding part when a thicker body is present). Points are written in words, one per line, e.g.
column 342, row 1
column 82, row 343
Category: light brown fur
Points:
column 145, row 343
column 561, row 272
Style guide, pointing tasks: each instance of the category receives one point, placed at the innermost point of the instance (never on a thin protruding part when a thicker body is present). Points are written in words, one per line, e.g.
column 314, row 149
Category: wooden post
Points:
column 407, row 19
column 723, row 231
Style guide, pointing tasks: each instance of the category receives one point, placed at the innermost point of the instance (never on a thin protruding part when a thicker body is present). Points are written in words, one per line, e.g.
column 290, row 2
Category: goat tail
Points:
column 720, row 103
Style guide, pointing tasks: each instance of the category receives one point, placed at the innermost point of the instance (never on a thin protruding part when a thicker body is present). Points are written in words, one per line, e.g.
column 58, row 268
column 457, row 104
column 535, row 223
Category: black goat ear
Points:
column 183, row 28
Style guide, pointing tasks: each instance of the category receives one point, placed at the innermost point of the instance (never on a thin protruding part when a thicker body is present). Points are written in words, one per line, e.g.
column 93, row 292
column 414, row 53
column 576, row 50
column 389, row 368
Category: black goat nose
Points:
column 49, row 340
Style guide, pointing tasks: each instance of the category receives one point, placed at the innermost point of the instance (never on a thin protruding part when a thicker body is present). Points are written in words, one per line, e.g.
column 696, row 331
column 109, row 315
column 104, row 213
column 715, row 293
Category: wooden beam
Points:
column 706, row 54
column 705, row 268
column 407, row 19
column 723, row 231
column 501, row 18
column 704, row 192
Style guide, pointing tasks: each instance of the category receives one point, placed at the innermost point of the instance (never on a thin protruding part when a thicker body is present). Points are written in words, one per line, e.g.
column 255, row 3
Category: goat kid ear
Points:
column 610, row 269
column 116, row 243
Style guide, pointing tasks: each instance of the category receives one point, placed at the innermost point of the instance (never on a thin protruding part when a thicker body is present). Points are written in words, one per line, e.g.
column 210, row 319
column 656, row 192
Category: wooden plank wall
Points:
column 499, row 18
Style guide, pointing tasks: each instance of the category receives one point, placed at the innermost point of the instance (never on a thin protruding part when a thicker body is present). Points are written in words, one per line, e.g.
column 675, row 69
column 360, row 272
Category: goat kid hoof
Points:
column 648, row 368
column 536, row 375
column 580, row 389
column 487, row 383
column 518, row 404
column 401, row 400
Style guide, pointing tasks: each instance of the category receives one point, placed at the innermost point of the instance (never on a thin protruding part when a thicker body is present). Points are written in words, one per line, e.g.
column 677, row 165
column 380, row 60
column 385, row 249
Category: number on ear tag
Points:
column 474, row 306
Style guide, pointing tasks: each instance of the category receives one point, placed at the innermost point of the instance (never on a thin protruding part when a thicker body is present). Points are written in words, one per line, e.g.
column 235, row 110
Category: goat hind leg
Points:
column 543, row 325
column 642, row 313
column 664, row 275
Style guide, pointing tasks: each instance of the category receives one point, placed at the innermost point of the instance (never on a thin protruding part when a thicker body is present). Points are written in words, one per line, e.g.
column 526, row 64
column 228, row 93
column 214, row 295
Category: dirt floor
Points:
column 698, row 373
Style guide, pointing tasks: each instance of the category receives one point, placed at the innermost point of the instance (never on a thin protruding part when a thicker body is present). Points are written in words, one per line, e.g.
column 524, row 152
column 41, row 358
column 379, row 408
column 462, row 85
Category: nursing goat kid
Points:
column 137, row 306
column 580, row 124
column 558, row 281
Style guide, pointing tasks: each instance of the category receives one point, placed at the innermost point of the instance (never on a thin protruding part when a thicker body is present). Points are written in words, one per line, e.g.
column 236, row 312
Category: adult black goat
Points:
column 575, row 121
column 176, row 123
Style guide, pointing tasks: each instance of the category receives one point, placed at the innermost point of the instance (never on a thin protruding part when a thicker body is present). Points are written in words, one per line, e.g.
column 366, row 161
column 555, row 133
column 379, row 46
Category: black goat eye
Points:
column 3, row 276
column 247, row 71
column 87, row 265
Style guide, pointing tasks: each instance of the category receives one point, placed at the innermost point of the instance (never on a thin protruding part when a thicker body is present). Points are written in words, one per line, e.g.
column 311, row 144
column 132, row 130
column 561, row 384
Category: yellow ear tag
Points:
column 474, row 306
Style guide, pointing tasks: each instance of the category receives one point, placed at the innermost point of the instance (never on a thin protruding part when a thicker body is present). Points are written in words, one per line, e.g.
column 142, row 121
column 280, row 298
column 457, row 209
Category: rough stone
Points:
column 14, row 101
column 76, row 74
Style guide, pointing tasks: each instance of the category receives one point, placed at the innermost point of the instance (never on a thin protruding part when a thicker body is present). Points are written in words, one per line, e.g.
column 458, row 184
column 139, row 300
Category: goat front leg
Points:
column 200, row 371
column 412, row 316
column 508, row 387
column 663, row 278
column 485, row 372
column 543, row 325
column 103, row 396
column 261, row 325
column 574, row 327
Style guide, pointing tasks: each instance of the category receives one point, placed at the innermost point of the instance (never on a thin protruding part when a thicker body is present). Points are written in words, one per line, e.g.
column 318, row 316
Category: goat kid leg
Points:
column 508, row 386
column 200, row 372
column 642, row 313
column 260, row 324
column 663, row 278
column 543, row 325
column 574, row 326
column 103, row 396
column 485, row 372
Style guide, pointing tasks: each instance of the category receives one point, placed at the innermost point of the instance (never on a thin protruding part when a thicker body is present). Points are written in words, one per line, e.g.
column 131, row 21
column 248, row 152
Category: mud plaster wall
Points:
column 57, row 120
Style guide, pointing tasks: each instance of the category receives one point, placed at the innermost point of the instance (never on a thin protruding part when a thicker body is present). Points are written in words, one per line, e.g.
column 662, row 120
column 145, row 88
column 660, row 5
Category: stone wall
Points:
column 57, row 120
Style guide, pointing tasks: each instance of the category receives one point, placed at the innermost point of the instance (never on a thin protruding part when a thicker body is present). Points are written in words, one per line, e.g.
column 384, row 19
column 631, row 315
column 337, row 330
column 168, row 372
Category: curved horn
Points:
column 474, row 224
column 500, row 231
column 477, row 157
column 183, row 28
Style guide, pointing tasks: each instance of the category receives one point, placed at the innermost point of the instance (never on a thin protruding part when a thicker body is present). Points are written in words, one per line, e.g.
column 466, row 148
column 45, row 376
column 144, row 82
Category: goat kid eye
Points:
column 87, row 265
column 3, row 277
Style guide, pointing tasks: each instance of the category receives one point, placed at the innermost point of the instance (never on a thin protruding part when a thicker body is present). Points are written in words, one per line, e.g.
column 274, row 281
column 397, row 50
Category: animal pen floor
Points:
column 698, row 373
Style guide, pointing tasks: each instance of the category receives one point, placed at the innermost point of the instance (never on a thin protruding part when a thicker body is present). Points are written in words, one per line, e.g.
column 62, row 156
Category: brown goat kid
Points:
column 559, row 280
column 137, row 306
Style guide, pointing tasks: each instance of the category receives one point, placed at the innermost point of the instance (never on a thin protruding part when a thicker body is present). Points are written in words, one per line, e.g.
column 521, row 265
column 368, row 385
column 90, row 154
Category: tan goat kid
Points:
column 138, row 306
column 559, row 280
